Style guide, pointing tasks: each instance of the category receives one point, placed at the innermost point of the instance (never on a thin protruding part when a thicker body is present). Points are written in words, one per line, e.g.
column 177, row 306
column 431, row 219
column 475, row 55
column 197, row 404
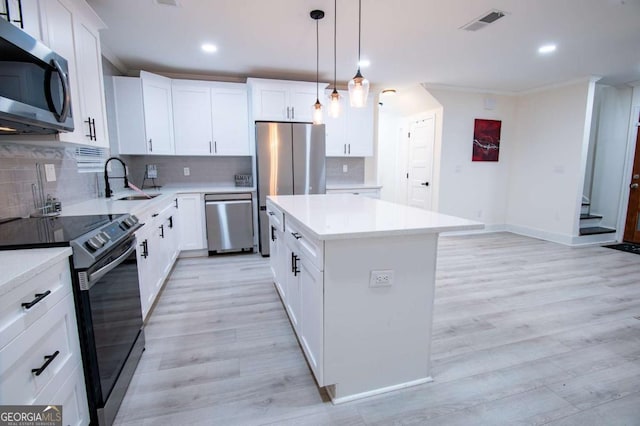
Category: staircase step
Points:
column 585, row 216
column 593, row 230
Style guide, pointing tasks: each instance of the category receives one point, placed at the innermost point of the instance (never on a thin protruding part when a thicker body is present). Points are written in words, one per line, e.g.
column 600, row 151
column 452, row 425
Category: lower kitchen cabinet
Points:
column 276, row 249
column 158, row 248
column 191, row 222
column 40, row 360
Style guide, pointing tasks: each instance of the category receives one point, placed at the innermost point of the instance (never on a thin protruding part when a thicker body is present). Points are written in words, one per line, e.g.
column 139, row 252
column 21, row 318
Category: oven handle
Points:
column 108, row 268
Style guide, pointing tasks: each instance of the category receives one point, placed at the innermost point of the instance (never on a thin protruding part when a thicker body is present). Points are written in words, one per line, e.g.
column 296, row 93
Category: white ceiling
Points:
column 407, row 41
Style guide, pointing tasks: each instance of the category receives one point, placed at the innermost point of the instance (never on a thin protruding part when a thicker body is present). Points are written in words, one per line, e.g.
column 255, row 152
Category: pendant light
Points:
column 317, row 107
column 358, row 85
column 334, row 98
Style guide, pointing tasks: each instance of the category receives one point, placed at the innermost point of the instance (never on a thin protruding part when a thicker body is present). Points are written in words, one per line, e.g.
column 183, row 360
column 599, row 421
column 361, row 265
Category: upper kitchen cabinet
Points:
column 70, row 27
column 351, row 134
column 144, row 115
column 210, row 118
column 279, row 100
column 23, row 14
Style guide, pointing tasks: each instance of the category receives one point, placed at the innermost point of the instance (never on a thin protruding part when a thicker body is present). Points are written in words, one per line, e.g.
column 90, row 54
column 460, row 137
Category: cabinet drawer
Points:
column 309, row 247
column 71, row 395
column 51, row 286
column 276, row 217
column 55, row 331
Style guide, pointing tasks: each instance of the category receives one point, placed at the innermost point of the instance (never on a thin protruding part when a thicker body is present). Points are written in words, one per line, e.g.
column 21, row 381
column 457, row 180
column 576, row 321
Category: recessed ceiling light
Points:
column 209, row 48
column 547, row 48
column 364, row 63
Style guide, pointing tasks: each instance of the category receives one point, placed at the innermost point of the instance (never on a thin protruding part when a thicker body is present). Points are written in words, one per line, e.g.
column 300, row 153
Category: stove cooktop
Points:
column 42, row 232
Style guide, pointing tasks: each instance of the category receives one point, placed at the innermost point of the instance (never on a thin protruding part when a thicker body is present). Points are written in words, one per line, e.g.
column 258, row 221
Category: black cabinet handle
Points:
column 296, row 235
column 90, row 135
column 154, row 215
column 293, row 262
column 176, row 202
column 47, row 361
column 273, row 235
column 161, row 230
column 170, row 222
column 271, row 213
column 150, row 145
column 145, row 249
column 95, row 134
column 39, row 297
column 296, row 271
column 425, row 184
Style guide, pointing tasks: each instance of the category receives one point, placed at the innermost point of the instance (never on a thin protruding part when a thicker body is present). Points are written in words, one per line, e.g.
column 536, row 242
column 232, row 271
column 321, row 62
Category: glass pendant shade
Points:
column 317, row 112
column 334, row 104
column 358, row 90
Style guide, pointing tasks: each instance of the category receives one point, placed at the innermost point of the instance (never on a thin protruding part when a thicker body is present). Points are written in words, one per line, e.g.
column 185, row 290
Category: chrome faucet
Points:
column 107, row 187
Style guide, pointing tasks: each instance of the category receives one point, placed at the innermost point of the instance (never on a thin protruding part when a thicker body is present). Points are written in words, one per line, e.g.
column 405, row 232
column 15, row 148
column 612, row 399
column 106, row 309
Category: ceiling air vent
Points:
column 168, row 2
column 483, row 20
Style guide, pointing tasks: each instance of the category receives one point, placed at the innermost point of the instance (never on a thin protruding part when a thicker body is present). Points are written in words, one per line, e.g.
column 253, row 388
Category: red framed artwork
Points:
column 486, row 140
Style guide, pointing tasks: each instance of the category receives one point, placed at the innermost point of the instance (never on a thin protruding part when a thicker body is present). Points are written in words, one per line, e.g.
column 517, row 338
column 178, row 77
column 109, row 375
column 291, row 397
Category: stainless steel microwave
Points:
column 34, row 85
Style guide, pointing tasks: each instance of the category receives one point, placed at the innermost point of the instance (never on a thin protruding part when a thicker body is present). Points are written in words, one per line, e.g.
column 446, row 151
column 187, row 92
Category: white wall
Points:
column 473, row 190
column 612, row 117
column 547, row 165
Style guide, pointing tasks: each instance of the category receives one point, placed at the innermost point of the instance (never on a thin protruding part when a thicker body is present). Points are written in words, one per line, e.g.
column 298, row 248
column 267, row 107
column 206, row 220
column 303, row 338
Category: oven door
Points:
column 112, row 323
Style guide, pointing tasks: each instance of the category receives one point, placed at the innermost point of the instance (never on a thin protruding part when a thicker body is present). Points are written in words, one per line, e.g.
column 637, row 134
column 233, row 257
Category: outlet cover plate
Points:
column 50, row 172
column 381, row 278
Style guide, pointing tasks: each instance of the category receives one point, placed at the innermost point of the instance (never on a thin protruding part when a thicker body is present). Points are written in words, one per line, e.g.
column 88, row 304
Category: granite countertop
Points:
column 19, row 266
column 339, row 216
column 113, row 206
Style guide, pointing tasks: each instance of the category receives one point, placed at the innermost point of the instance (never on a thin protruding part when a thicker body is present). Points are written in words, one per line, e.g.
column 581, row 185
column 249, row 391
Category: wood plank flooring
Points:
column 525, row 332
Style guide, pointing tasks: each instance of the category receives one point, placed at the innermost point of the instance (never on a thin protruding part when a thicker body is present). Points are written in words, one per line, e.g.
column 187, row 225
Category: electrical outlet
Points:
column 345, row 168
column 187, row 171
column 50, row 172
column 381, row 278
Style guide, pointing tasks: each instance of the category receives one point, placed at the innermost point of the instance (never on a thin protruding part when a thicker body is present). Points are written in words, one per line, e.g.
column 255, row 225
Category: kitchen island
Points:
column 357, row 276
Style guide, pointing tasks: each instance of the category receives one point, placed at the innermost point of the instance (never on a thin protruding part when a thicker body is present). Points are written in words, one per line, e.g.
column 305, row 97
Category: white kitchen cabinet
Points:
column 280, row 100
column 351, row 133
column 158, row 248
column 312, row 314
column 158, row 113
column 45, row 337
column 371, row 192
column 192, row 222
column 24, row 14
column 276, row 250
column 70, row 27
column 144, row 115
column 292, row 301
column 210, row 118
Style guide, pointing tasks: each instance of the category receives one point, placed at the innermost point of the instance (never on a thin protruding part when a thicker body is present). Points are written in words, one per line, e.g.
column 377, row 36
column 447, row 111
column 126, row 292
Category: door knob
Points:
column 425, row 183
column 633, row 186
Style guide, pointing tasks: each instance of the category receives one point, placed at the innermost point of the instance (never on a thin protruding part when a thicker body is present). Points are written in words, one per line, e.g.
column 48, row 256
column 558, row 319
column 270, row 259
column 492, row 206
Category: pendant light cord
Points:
column 317, row 61
column 335, row 26
column 359, row 29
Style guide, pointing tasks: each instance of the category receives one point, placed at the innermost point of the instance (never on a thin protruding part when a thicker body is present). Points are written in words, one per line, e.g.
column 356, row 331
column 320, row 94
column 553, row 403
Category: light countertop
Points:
column 339, row 216
column 113, row 206
column 19, row 266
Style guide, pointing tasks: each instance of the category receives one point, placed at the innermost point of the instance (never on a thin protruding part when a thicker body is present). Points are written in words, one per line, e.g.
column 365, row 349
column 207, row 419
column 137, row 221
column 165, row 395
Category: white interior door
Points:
column 420, row 161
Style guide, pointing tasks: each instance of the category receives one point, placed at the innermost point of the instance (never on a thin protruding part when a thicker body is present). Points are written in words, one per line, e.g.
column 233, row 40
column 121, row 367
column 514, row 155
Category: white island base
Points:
column 357, row 278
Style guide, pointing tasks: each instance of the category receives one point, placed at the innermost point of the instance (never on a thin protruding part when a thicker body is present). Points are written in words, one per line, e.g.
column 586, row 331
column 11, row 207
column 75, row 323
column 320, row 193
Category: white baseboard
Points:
column 193, row 253
column 486, row 230
column 367, row 394
column 567, row 240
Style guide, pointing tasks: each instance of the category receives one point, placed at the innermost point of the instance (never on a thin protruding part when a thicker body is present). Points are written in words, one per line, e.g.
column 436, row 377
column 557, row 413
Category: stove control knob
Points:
column 124, row 225
column 104, row 236
column 100, row 239
column 93, row 244
column 134, row 219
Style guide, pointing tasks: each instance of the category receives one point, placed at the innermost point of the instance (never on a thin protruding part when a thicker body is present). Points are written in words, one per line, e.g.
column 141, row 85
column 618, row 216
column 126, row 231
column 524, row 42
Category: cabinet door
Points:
column 158, row 117
column 230, row 121
column 336, row 130
column 92, row 105
column 146, row 270
column 271, row 103
column 30, row 19
column 192, row 119
column 302, row 99
column 292, row 280
column 72, row 396
column 312, row 316
column 191, row 222
column 131, row 137
column 57, row 28
column 275, row 255
column 360, row 130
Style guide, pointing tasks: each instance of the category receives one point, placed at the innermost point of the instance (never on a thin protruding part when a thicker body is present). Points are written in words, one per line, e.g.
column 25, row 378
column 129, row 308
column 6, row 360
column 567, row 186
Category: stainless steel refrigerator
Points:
column 290, row 161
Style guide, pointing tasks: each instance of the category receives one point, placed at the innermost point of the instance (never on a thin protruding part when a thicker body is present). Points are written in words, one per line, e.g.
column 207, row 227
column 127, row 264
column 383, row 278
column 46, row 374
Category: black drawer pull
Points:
column 48, row 359
column 296, row 235
column 39, row 297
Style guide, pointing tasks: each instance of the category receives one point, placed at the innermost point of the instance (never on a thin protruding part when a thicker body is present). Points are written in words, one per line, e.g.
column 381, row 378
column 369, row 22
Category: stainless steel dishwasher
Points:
column 229, row 222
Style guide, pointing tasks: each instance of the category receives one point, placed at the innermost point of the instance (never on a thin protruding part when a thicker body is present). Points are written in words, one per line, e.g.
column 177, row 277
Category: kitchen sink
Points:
column 137, row 197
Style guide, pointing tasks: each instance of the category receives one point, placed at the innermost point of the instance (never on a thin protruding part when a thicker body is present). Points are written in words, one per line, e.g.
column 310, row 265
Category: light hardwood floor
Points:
column 525, row 332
